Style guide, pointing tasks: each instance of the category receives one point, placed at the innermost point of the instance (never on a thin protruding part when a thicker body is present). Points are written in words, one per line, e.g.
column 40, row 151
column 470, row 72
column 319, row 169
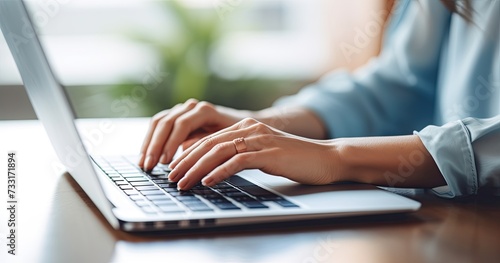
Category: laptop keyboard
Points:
column 154, row 193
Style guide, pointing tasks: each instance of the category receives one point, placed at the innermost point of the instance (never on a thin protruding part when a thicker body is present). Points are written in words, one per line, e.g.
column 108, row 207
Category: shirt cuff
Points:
column 451, row 148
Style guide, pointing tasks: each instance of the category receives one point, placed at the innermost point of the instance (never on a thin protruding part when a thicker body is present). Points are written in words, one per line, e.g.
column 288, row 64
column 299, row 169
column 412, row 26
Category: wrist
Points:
column 339, row 161
column 295, row 120
column 233, row 116
column 266, row 116
column 361, row 160
column 386, row 161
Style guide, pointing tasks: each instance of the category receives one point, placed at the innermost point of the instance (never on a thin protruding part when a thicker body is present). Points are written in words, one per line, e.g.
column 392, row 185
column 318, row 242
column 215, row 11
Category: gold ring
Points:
column 240, row 145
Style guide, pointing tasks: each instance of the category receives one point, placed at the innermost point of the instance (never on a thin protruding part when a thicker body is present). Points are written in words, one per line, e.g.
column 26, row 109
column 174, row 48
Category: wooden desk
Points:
column 58, row 223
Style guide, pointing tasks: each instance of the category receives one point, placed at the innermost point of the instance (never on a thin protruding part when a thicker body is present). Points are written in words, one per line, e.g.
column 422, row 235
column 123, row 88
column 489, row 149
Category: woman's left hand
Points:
column 224, row 153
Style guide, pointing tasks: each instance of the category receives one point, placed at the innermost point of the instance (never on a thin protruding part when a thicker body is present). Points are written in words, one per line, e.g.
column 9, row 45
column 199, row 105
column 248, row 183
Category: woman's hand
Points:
column 218, row 156
column 396, row 161
column 183, row 125
column 400, row 161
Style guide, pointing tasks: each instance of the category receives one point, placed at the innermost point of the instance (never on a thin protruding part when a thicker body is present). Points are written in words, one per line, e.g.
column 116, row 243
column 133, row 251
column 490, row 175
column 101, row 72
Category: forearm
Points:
column 294, row 120
column 396, row 161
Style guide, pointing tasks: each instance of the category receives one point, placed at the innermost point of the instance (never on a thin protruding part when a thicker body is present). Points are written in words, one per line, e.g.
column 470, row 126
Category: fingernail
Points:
column 207, row 181
column 140, row 162
column 148, row 163
column 181, row 185
column 172, row 176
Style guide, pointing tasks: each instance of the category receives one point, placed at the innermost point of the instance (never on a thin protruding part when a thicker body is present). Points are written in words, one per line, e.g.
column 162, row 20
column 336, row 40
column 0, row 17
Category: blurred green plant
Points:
column 186, row 60
column 184, row 57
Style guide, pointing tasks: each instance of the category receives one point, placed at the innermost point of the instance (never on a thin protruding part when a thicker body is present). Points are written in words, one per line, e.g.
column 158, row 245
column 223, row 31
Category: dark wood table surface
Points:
column 58, row 223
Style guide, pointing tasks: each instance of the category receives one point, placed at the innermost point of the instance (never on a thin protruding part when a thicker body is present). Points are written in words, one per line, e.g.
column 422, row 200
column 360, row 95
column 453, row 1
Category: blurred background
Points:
column 129, row 58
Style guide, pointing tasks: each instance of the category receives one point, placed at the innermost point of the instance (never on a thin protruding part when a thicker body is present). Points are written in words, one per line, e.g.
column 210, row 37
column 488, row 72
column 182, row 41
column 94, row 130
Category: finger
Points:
column 162, row 133
column 189, row 160
column 214, row 158
column 217, row 155
column 193, row 138
column 187, row 151
column 245, row 124
column 238, row 163
column 149, row 134
column 183, row 126
column 154, row 122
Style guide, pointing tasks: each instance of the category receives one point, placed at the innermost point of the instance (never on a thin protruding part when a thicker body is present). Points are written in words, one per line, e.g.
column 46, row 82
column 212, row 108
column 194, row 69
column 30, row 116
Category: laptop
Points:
column 136, row 201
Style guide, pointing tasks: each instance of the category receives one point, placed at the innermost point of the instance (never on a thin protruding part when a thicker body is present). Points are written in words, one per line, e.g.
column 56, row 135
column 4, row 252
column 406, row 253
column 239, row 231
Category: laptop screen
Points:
column 49, row 100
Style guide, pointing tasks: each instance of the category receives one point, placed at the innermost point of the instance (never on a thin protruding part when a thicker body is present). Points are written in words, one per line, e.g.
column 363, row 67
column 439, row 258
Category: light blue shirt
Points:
column 438, row 74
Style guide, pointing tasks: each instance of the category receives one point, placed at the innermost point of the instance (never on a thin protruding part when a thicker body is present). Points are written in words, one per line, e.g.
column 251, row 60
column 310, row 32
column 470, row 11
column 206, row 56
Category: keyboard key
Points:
column 141, row 183
column 213, row 196
column 157, row 172
column 171, row 209
column 131, row 192
column 168, row 185
column 138, row 179
column 253, row 204
column 164, row 202
column 121, row 182
column 198, row 186
column 158, row 197
column 161, row 181
column 133, row 175
column 202, row 191
column 227, row 206
column 192, row 202
column 187, row 198
column 141, row 203
column 199, row 207
column 222, row 185
column 257, row 191
column 195, row 204
column 136, row 197
column 174, row 193
column 286, row 203
column 108, row 170
column 164, row 177
column 126, row 187
column 238, row 181
column 148, row 187
column 235, row 194
column 270, row 198
column 127, row 171
column 180, row 193
column 152, row 192
column 171, row 190
column 116, row 179
column 219, row 201
column 243, row 198
column 228, row 190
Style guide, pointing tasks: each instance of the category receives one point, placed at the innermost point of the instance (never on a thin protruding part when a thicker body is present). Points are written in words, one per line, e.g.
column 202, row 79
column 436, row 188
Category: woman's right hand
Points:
column 183, row 125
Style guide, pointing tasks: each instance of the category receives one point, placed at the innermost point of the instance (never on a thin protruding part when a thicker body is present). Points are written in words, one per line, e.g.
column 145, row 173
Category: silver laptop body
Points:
column 55, row 112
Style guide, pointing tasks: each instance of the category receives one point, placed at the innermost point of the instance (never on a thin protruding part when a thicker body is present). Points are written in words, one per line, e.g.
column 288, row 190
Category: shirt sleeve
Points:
column 467, row 152
column 394, row 93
